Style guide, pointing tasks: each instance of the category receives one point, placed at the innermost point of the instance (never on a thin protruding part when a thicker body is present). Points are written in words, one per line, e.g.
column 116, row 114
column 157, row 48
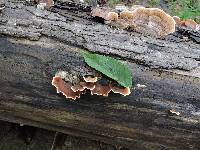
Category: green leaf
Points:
column 110, row 67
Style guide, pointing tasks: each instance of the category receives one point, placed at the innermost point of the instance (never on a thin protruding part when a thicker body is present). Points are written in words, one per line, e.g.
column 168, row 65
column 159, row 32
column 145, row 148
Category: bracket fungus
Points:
column 119, row 89
column 102, row 87
column 126, row 15
column 151, row 21
column 189, row 23
column 105, row 14
column 98, row 74
column 65, row 88
column 98, row 86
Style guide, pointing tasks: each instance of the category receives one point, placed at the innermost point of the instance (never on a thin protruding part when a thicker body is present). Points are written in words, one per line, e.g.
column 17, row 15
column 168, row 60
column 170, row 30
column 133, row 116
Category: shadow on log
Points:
column 35, row 43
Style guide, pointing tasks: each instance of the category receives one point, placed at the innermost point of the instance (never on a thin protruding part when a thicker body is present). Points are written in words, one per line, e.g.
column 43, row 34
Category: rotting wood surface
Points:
column 36, row 43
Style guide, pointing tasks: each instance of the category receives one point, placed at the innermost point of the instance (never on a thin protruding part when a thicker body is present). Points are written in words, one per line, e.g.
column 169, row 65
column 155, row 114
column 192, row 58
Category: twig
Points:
column 54, row 141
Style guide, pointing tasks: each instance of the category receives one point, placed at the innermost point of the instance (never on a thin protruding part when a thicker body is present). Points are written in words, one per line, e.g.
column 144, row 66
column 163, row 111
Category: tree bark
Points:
column 36, row 43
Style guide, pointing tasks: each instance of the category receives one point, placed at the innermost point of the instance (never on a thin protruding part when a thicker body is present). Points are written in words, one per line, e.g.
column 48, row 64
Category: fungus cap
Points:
column 77, row 87
column 87, row 85
column 123, row 91
column 177, row 20
column 90, row 78
column 187, row 23
column 126, row 15
column 191, row 24
column 64, row 88
column 153, row 19
column 101, row 90
column 112, row 16
column 99, row 86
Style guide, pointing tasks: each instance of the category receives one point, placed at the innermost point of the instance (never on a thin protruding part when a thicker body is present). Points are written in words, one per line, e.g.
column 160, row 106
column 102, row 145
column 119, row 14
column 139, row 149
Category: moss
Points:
column 185, row 9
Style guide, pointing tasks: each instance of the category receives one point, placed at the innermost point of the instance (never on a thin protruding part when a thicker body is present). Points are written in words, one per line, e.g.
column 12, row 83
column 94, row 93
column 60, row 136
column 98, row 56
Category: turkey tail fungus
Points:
column 65, row 88
column 123, row 91
column 97, row 85
column 151, row 21
column 191, row 24
column 102, row 87
column 112, row 16
column 126, row 15
column 187, row 23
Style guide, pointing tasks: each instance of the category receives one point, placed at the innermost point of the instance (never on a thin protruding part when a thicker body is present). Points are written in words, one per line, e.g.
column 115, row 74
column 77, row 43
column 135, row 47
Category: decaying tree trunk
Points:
column 35, row 43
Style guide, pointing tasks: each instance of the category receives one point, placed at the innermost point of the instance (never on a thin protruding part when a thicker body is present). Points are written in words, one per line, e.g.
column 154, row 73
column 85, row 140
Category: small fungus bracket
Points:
column 189, row 23
column 72, row 87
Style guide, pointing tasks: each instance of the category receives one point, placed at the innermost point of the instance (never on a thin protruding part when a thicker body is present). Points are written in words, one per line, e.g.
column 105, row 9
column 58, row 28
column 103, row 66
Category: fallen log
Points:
column 35, row 43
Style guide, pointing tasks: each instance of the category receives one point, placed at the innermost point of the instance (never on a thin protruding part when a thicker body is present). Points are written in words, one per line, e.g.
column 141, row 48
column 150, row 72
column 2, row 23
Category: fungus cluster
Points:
column 187, row 23
column 97, row 85
column 151, row 21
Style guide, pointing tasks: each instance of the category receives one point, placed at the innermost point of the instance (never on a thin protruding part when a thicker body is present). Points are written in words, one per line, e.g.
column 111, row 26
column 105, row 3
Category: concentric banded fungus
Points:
column 101, row 90
column 152, row 21
column 126, row 15
column 64, row 88
column 77, row 87
column 191, row 24
column 187, row 23
column 119, row 89
column 123, row 91
column 177, row 20
column 82, row 86
column 102, row 86
column 112, row 16
column 88, row 85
